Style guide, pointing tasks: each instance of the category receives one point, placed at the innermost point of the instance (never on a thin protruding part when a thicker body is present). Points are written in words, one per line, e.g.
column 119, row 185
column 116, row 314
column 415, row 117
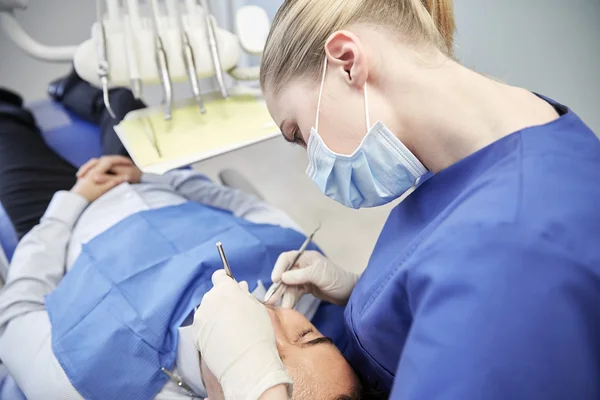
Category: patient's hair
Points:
column 365, row 393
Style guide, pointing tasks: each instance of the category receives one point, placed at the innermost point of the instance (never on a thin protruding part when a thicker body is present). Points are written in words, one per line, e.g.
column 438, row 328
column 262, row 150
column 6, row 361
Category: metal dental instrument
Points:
column 188, row 58
column 162, row 63
column 224, row 260
column 102, row 52
column 151, row 133
column 178, row 381
column 132, row 60
column 274, row 287
column 214, row 48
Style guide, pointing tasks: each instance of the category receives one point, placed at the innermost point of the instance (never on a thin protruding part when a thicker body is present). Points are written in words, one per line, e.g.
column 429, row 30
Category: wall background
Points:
column 549, row 46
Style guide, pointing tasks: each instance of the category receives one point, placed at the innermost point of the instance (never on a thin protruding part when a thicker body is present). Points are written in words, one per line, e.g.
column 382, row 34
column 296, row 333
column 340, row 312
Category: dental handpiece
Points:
column 162, row 63
column 187, row 53
column 132, row 59
column 214, row 48
column 190, row 65
column 165, row 77
column 102, row 53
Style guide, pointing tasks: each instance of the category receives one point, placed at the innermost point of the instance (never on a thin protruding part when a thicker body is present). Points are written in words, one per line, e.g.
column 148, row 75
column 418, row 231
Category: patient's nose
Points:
column 278, row 327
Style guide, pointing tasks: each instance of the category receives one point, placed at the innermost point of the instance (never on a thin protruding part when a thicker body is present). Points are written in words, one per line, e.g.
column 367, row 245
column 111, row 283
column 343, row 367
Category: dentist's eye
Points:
column 297, row 138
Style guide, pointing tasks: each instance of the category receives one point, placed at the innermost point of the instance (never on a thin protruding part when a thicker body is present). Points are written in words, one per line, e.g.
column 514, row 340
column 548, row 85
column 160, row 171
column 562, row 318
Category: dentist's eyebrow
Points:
column 318, row 341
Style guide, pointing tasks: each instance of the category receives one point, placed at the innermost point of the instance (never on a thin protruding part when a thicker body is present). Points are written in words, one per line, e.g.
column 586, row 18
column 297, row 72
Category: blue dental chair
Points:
column 72, row 138
column 76, row 141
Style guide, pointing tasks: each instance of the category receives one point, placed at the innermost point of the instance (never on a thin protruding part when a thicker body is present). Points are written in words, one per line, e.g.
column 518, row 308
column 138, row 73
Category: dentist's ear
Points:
column 346, row 56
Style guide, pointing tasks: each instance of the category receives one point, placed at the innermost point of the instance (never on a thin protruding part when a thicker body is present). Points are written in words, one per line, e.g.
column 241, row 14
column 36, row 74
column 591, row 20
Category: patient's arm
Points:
column 191, row 185
column 37, row 267
column 197, row 187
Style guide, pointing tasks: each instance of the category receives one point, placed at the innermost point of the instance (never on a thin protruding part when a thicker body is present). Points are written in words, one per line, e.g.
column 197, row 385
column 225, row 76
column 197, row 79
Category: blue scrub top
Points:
column 485, row 282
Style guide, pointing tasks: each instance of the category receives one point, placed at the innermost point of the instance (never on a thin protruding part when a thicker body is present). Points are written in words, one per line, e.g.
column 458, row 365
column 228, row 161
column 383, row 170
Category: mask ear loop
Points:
column 367, row 108
column 368, row 119
column 321, row 94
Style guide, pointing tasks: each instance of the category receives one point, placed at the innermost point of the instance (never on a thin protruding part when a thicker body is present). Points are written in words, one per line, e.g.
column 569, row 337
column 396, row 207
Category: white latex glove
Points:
column 315, row 274
column 235, row 337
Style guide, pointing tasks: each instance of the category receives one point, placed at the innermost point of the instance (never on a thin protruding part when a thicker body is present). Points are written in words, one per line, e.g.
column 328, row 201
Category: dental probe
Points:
column 224, row 260
column 277, row 285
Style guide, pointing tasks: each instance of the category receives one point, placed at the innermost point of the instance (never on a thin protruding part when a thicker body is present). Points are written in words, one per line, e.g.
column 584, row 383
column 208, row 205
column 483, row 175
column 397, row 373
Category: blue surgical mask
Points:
column 379, row 171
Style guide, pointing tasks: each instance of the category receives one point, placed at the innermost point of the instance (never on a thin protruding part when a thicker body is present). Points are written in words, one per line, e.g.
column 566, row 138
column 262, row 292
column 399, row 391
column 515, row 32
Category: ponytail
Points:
column 442, row 13
column 300, row 30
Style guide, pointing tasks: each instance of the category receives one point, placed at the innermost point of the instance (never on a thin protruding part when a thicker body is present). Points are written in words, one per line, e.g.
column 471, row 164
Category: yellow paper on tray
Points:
column 189, row 136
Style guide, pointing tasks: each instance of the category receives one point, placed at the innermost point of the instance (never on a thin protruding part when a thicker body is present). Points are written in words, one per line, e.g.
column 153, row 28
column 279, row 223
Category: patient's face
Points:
column 316, row 366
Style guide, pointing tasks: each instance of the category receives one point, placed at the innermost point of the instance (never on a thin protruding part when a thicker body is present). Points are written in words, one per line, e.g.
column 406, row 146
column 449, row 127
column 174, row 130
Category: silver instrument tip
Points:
column 224, row 260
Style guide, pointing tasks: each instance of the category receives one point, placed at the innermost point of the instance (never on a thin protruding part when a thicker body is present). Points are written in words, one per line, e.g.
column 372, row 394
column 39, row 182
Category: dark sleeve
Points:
column 501, row 314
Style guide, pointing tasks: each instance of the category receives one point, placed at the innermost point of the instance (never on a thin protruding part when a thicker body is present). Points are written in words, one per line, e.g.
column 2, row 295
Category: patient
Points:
column 312, row 361
column 102, row 287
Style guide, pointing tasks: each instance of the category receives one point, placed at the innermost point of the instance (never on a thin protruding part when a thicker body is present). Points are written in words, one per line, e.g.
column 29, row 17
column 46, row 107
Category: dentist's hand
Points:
column 315, row 274
column 236, row 339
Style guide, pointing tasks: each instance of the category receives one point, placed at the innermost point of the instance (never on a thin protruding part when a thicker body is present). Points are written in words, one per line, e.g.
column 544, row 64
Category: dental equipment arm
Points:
column 220, row 46
column 10, row 5
column 252, row 26
column 13, row 30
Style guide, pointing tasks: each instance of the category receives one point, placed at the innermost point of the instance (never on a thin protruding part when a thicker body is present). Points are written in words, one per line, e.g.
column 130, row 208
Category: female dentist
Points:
column 485, row 281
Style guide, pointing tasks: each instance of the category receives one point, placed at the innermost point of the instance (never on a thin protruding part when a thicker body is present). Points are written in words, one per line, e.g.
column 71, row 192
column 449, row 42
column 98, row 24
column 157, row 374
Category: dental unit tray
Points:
column 158, row 146
column 127, row 29
column 136, row 43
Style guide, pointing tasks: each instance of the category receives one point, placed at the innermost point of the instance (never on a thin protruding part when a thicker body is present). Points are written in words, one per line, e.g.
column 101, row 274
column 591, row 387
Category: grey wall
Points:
column 52, row 22
column 549, row 46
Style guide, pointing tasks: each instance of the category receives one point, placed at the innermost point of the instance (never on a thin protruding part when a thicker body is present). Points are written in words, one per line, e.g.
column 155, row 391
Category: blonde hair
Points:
column 295, row 46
